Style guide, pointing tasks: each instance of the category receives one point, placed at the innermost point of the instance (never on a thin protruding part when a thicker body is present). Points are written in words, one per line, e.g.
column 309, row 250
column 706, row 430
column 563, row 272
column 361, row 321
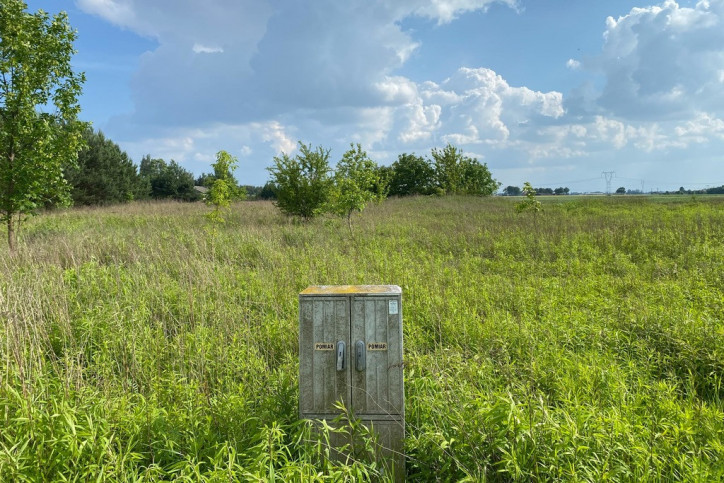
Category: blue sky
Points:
column 552, row 92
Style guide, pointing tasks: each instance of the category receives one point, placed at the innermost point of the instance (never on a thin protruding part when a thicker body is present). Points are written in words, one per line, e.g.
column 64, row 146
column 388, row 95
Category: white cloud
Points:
column 573, row 64
column 255, row 144
column 275, row 134
column 204, row 49
column 119, row 12
column 663, row 61
column 445, row 11
column 479, row 106
column 252, row 77
column 702, row 128
column 397, row 90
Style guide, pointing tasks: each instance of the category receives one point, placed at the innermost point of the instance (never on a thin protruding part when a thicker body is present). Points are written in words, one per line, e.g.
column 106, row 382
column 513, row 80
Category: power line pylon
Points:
column 609, row 176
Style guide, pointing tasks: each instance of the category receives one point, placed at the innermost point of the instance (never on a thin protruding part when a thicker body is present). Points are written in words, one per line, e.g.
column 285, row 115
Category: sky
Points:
column 554, row 92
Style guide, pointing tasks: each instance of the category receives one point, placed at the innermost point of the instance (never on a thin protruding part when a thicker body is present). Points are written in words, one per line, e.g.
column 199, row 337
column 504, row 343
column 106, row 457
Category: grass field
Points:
column 585, row 343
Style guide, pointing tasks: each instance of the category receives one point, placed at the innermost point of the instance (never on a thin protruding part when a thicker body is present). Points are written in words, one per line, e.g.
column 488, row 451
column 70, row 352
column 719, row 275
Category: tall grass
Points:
column 586, row 345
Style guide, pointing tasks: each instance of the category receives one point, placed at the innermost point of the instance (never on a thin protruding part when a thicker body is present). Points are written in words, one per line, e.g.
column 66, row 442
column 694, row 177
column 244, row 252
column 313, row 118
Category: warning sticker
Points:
column 324, row 346
column 394, row 308
column 377, row 346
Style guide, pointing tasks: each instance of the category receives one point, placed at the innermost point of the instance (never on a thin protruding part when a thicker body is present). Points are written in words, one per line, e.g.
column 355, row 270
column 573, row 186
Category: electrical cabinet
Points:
column 350, row 351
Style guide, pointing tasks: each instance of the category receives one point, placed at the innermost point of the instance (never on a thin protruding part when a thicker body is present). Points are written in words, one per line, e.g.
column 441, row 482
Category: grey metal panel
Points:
column 359, row 378
column 328, row 314
column 388, row 447
column 322, row 320
column 379, row 389
column 395, row 360
column 306, row 351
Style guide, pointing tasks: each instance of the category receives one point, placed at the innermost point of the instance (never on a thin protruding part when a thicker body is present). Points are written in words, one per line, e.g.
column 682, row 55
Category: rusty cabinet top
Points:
column 352, row 290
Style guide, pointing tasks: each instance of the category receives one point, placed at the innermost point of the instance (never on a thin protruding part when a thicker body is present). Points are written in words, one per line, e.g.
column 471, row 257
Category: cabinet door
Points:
column 378, row 388
column 323, row 323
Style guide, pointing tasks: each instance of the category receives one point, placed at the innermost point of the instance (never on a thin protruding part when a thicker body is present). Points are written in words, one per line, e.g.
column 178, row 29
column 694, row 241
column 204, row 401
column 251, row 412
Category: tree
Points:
column 529, row 203
column 382, row 185
column 223, row 189
column 355, row 181
column 476, row 178
column 35, row 144
column 168, row 180
column 221, row 171
column 621, row 191
column 268, row 192
column 459, row 174
column 448, row 174
column 411, row 175
column 103, row 174
column 302, row 182
column 511, row 191
column 561, row 191
column 205, row 180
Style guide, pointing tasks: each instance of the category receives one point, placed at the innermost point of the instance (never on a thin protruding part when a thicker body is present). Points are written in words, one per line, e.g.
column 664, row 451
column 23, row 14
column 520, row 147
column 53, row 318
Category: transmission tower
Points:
column 608, row 175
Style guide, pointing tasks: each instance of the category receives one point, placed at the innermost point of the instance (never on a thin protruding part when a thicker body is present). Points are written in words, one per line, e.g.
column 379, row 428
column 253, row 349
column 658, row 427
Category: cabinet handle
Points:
column 361, row 356
column 340, row 355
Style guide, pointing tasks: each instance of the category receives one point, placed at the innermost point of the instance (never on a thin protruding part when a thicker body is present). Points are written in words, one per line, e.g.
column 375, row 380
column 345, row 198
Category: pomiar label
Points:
column 377, row 346
column 324, row 346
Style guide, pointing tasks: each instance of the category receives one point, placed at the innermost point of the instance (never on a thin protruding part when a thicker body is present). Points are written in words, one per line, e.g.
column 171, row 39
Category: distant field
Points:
column 584, row 343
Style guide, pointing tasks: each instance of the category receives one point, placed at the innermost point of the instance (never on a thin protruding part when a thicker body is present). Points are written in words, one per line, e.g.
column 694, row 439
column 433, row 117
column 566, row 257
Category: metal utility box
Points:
column 350, row 350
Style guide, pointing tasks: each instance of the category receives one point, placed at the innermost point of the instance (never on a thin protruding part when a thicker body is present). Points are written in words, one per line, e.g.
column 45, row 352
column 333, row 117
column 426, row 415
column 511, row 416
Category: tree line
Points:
column 104, row 174
column 516, row 191
column 304, row 185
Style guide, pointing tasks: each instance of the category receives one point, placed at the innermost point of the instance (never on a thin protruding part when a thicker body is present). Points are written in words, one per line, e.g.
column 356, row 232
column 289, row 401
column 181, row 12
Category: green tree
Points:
column 302, row 182
column 411, row 175
column 39, row 130
column 384, row 176
column 205, row 180
column 476, row 178
column 459, row 174
column 356, row 183
column 168, row 180
column 103, row 174
column 448, row 172
column 151, row 167
column 621, row 190
column 224, row 188
column 224, row 172
column 512, row 191
column 268, row 192
column 530, row 203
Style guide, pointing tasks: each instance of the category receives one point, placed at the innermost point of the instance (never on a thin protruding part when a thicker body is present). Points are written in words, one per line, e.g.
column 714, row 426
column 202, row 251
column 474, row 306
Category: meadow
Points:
column 582, row 343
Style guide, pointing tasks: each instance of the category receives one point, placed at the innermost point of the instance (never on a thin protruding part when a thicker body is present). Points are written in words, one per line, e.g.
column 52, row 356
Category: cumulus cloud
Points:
column 663, row 61
column 253, row 76
column 270, row 58
column 474, row 106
